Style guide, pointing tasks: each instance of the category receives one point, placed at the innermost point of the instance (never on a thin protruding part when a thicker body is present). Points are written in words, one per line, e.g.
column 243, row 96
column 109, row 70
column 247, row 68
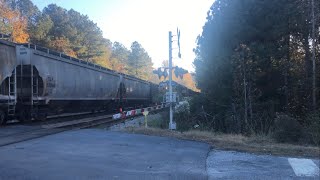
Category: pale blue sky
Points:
column 145, row 21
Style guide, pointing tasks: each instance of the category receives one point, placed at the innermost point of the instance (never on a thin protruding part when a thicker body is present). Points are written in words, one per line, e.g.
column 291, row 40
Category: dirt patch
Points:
column 257, row 145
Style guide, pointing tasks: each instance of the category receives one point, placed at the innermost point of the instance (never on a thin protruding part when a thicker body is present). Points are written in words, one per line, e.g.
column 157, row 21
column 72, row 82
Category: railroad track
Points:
column 37, row 124
column 45, row 129
column 54, row 118
column 54, row 128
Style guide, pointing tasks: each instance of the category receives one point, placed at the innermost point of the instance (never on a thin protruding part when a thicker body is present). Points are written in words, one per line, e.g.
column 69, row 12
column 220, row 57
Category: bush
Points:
column 182, row 116
column 287, row 129
column 159, row 121
column 313, row 129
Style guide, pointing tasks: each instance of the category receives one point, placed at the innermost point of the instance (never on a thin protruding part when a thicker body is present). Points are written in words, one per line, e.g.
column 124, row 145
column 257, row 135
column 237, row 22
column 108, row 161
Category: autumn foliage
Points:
column 74, row 34
column 11, row 22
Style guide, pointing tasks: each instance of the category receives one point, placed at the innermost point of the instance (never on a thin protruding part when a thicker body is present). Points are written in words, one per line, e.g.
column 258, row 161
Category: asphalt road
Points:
column 15, row 129
column 100, row 154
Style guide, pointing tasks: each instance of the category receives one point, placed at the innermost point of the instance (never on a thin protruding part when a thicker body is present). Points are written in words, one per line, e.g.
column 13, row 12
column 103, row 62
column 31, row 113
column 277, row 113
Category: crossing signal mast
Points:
column 179, row 72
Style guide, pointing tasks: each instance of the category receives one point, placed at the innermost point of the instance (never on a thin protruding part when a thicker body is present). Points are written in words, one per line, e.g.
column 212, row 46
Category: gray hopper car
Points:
column 36, row 81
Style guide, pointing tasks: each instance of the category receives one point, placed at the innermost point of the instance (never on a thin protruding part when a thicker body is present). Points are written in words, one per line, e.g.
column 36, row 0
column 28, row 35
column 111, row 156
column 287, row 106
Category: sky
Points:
column 146, row 21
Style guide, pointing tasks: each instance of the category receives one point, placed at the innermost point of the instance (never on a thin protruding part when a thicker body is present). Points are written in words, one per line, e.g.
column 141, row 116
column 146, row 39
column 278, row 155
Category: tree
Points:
column 82, row 37
column 139, row 62
column 104, row 58
column 62, row 44
column 26, row 9
column 249, row 58
column 38, row 24
column 119, row 57
column 11, row 22
column 39, row 33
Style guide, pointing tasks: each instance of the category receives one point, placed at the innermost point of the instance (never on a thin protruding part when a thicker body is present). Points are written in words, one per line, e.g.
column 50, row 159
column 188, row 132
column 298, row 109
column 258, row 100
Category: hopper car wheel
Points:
column 2, row 117
column 24, row 116
column 41, row 117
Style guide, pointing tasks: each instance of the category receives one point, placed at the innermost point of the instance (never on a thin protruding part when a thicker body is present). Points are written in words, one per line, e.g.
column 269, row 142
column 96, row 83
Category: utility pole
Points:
column 170, row 80
column 178, row 72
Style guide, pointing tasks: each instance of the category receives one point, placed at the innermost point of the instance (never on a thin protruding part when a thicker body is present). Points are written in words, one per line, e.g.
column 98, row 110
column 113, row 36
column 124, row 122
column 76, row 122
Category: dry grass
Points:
column 257, row 145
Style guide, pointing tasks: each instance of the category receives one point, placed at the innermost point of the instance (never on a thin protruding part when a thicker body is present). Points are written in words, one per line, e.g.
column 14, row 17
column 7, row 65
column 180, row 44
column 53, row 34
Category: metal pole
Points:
column 170, row 78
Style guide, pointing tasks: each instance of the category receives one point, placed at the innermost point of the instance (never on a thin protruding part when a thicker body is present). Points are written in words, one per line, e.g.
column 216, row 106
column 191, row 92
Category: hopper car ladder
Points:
column 34, row 88
column 12, row 93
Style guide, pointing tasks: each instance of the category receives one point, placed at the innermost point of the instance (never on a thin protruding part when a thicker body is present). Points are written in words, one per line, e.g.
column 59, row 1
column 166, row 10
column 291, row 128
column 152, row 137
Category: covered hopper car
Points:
column 36, row 82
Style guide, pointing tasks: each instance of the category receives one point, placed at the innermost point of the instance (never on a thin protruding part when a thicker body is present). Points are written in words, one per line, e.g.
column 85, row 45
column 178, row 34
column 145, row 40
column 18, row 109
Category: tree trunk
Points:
column 307, row 56
column 286, row 74
column 235, row 119
column 250, row 105
column 314, row 101
column 286, row 88
column 245, row 95
column 307, row 82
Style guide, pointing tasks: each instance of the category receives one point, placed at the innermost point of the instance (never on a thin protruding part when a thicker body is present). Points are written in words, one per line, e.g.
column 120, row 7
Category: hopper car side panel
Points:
column 71, row 81
column 68, row 86
column 136, row 89
column 137, row 92
column 8, row 60
column 8, row 63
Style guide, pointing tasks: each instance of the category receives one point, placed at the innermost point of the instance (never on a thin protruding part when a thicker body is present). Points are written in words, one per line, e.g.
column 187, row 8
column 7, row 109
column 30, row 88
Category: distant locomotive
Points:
column 36, row 82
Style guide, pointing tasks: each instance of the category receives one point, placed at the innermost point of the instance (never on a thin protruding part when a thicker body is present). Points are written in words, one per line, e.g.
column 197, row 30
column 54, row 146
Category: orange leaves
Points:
column 188, row 81
column 5, row 12
column 11, row 22
column 19, row 33
column 62, row 44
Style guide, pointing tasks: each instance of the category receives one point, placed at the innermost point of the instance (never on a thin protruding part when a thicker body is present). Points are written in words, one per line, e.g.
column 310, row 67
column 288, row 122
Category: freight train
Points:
column 36, row 82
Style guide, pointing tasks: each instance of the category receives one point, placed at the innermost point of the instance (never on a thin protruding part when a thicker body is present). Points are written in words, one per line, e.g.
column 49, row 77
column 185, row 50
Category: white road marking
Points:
column 304, row 167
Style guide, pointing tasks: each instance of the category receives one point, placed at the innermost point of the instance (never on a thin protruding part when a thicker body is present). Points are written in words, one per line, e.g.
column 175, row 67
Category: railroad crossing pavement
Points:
column 235, row 165
column 10, row 129
column 100, row 154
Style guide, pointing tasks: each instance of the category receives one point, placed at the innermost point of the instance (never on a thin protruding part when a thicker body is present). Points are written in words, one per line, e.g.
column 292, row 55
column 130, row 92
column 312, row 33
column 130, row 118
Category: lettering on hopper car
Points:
column 23, row 51
column 51, row 84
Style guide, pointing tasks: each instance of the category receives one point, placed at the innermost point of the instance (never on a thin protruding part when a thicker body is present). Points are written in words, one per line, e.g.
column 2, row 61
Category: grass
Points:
column 255, row 144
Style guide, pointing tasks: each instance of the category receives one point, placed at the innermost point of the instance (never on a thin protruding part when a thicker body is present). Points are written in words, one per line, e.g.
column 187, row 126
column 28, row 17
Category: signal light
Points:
column 158, row 72
column 165, row 74
column 179, row 72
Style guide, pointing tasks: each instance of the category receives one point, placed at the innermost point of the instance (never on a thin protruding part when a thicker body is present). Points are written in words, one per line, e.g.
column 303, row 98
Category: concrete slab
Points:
column 98, row 154
column 235, row 165
column 304, row 167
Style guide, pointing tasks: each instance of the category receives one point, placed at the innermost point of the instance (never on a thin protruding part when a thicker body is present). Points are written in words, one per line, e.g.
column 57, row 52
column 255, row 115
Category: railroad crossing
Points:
column 101, row 154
